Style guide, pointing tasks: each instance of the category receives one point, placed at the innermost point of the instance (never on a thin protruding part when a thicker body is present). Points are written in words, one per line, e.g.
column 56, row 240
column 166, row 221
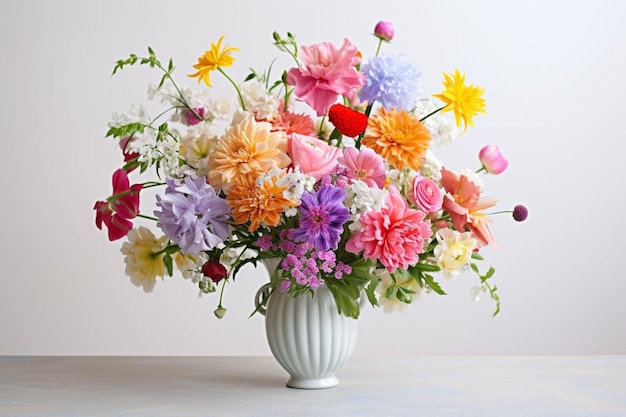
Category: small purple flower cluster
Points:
column 302, row 262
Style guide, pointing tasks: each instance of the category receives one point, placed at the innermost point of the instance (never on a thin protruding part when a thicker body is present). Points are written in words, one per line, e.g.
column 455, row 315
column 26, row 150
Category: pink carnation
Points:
column 394, row 235
column 326, row 72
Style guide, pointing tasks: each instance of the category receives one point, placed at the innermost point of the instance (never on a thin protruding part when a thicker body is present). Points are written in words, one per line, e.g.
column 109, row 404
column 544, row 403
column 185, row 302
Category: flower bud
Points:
column 214, row 270
column 520, row 213
column 384, row 31
column 220, row 312
column 492, row 159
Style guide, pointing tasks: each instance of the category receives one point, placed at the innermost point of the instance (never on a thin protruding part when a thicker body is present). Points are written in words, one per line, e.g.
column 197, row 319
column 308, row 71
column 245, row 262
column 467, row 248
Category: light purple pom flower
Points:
column 393, row 81
column 192, row 215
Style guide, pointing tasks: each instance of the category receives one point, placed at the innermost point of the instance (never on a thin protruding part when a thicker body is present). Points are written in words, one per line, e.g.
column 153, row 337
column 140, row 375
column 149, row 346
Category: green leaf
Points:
column 167, row 260
column 433, row 284
column 477, row 256
column 370, row 291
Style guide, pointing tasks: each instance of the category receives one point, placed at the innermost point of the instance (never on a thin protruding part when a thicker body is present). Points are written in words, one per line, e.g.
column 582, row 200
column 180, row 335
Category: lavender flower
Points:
column 393, row 81
column 322, row 216
column 192, row 215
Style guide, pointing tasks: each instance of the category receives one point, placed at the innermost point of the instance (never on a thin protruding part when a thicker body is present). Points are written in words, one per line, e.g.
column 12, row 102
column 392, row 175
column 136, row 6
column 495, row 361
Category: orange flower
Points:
column 250, row 146
column 399, row 137
column 260, row 201
column 464, row 204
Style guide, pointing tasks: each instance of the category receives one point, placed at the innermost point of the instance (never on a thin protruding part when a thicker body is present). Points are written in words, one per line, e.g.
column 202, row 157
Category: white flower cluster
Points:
column 257, row 100
column 361, row 198
column 442, row 127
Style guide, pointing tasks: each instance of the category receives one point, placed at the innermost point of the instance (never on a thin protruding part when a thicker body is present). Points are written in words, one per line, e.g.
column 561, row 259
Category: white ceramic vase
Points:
column 306, row 334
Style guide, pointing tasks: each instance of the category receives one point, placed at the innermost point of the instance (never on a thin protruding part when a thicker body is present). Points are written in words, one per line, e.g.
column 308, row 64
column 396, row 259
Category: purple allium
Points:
column 322, row 215
column 393, row 81
column 520, row 213
column 192, row 215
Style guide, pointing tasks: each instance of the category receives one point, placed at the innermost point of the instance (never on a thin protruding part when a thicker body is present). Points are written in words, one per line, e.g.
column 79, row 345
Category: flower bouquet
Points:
column 327, row 166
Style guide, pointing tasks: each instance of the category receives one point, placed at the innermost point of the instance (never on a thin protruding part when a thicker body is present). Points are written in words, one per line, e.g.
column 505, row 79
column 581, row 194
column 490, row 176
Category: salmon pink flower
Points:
column 395, row 235
column 326, row 73
column 464, row 204
column 364, row 164
column 492, row 159
column 314, row 156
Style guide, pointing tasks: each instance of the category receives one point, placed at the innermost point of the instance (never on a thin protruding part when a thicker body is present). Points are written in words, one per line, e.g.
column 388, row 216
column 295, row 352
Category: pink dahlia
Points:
column 326, row 72
column 394, row 235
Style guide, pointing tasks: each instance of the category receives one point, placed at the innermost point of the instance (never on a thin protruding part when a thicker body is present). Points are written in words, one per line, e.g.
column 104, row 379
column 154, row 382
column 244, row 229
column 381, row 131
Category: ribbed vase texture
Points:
column 308, row 338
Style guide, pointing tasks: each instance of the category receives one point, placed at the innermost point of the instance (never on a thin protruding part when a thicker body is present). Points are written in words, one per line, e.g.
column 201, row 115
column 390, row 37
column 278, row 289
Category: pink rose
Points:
column 426, row 194
column 492, row 159
column 314, row 156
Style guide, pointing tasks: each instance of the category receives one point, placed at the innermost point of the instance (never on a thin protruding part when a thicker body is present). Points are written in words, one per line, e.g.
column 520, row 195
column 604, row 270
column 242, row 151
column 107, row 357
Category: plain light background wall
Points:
column 553, row 74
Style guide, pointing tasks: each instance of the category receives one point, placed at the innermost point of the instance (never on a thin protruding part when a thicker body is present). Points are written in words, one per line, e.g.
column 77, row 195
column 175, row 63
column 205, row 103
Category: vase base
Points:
column 312, row 383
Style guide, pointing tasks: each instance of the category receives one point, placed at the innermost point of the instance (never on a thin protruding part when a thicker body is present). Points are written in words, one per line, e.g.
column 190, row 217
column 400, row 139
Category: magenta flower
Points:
column 326, row 73
column 322, row 215
column 394, row 235
column 384, row 31
column 122, row 206
column 364, row 164
column 492, row 159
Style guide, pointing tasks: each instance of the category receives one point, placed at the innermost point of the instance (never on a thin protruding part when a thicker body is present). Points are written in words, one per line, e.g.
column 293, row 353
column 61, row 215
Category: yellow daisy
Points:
column 465, row 100
column 213, row 59
column 397, row 136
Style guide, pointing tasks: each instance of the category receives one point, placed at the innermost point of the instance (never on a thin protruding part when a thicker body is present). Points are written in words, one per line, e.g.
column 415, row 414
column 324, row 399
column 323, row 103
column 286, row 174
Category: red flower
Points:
column 122, row 206
column 349, row 122
column 214, row 270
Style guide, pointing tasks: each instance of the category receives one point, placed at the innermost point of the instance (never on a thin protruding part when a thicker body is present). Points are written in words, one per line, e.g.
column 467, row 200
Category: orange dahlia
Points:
column 257, row 200
column 250, row 146
column 399, row 137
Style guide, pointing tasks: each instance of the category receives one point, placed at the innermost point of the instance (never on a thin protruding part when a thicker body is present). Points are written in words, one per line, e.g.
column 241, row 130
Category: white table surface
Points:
column 369, row 386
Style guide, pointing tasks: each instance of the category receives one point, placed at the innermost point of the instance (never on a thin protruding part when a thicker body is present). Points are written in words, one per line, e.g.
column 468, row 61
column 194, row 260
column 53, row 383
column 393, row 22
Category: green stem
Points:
column 219, row 304
column 145, row 185
column 243, row 106
column 430, row 114
column 380, row 43
column 143, row 216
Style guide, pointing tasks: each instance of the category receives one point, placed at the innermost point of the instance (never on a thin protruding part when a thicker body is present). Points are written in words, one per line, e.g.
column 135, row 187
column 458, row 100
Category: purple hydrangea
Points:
column 393, row 81
column 322, row 215
column 192, row 215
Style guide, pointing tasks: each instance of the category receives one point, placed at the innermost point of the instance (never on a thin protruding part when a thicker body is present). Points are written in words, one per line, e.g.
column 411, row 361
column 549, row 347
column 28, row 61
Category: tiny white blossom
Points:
column 297, row 183
column 221, row 108
column 431, row 166
column 473, row 177
column 361, row 198
column 258, row 101
column 442, row 128
column 136, row 114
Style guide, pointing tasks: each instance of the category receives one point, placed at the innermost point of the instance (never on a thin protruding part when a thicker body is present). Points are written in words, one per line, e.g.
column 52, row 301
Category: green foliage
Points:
column 486, row 285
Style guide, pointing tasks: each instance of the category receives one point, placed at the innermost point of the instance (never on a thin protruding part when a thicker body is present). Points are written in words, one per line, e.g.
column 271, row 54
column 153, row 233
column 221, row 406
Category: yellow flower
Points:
column 258, row 201
column 213, row 59
column 250, row 146
column 399, row 137
column 143, row 259
column 464, row 100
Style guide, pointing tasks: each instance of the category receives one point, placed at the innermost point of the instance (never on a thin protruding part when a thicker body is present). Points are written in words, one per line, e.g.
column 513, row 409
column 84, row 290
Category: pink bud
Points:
column 384, row 30
column 492, row 159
